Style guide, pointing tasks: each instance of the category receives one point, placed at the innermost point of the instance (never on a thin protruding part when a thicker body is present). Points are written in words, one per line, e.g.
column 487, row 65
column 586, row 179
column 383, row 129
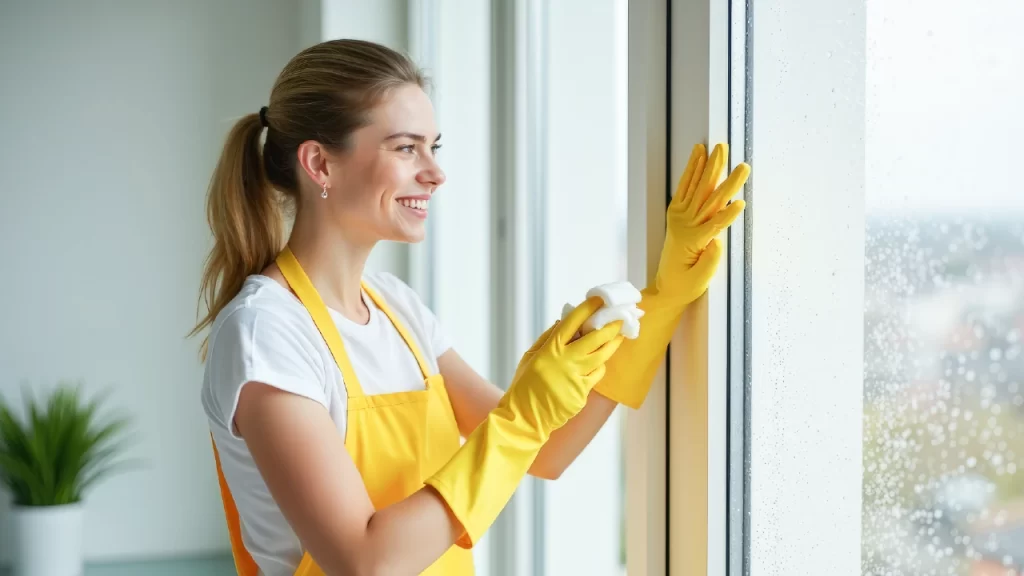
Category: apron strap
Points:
column 401, row 330
column 310, row 298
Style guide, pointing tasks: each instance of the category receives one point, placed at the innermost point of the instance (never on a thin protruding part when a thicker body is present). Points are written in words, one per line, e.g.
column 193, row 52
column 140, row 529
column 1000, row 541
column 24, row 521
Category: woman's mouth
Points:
column 415, row 206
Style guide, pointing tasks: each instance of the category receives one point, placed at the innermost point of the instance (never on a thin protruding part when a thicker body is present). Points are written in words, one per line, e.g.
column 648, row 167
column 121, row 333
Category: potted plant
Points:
column 49, row 458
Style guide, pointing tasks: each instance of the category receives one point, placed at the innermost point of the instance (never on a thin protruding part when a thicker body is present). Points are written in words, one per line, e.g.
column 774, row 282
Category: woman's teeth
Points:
column 418, row 204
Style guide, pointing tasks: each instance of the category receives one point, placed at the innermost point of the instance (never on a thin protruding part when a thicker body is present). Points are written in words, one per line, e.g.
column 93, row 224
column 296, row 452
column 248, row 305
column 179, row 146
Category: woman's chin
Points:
column 411, row 235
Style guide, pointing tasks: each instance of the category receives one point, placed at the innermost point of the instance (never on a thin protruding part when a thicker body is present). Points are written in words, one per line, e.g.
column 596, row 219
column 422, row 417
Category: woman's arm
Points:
column 473, row 397
column 315, row 482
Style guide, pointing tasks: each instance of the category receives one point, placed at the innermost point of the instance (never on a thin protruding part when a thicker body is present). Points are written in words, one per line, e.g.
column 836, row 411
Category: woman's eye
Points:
column 435, row 148
column 407, row 148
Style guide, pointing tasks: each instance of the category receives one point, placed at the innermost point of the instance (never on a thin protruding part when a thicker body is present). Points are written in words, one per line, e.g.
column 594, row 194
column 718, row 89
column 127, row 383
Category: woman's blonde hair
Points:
column 325, row 93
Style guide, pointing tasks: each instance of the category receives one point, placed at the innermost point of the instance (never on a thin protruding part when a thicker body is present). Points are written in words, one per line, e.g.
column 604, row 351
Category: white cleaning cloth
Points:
column 616, row 293
column 620, row 300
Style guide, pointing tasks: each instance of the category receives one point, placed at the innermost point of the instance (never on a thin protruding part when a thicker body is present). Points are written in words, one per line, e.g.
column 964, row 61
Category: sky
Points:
column 945, row 106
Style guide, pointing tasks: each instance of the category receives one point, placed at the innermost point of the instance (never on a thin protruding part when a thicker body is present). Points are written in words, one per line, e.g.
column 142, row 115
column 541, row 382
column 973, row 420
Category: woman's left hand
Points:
column 699, row 211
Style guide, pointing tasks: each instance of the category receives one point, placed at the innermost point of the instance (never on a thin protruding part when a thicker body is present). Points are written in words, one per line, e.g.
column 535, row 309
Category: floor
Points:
column 215, row 566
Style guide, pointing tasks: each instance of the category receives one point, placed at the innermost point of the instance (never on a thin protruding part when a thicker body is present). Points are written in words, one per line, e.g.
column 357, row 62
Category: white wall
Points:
column 111, row 117
column 310, row 23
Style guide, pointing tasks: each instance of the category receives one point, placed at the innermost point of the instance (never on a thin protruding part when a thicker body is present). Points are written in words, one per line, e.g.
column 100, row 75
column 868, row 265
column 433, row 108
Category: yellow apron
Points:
column 396, row 440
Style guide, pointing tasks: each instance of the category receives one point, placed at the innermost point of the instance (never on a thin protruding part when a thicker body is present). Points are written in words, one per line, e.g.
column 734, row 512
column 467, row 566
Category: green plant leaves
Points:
column 59, row 450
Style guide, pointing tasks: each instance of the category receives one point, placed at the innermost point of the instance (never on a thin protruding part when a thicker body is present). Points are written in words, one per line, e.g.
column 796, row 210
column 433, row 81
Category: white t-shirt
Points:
column 265, row 334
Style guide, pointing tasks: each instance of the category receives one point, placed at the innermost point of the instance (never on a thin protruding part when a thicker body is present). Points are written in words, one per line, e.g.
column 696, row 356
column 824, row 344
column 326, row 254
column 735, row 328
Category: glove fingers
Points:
column 725, row 192
column 694, row 169
column 601, row 356
column 720, row 221
column 690, row 201
column 572, row 323
column 712, row 175
column 590, row 343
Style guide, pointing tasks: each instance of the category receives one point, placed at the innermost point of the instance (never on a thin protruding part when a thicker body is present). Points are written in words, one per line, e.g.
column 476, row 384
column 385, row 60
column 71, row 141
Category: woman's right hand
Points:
column 550, row 387
column 554, row 378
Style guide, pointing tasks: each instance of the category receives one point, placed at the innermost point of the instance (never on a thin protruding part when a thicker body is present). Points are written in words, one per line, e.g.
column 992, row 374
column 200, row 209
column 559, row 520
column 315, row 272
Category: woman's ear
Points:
column 312, row 157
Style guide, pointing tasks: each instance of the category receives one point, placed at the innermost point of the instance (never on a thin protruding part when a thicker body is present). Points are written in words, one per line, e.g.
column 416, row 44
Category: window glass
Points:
column 944, row 289
column 887, row 288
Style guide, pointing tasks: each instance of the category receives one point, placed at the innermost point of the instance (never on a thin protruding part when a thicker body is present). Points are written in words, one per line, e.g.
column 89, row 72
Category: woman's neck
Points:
column 334, row 265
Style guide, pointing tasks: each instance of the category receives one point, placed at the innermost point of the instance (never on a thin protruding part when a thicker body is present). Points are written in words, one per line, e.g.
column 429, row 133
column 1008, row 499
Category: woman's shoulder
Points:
column 259, row 297
column 263, row 317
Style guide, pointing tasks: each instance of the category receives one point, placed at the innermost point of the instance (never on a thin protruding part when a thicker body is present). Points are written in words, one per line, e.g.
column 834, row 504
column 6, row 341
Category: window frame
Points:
column 646, row 439
column 708, row 360
column 741, row 28
column 698, row 363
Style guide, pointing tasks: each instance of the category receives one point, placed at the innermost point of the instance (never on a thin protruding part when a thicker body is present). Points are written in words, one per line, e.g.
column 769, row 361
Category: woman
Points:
column 350, row 438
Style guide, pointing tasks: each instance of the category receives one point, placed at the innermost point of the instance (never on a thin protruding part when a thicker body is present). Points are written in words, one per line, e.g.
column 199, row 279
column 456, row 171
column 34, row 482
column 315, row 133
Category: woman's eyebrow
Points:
column 411, row 136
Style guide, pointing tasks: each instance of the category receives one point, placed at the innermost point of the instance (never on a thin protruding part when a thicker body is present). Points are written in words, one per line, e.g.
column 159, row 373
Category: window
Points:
column 944, row 290
column 883, row 288
column 580, row 169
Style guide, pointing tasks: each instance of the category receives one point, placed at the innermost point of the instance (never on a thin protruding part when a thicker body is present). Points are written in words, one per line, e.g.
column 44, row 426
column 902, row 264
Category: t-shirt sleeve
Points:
column 255, row 345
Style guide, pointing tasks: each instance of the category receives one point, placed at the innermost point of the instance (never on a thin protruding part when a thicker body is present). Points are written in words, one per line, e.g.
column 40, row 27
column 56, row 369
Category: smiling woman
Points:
column 349, row 436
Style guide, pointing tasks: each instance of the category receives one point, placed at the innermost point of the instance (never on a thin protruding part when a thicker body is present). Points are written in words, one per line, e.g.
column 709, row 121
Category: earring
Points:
column 324, row 195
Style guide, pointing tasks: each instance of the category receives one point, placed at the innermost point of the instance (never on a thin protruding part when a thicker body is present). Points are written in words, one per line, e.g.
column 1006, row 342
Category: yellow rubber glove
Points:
column 549, row 388
column 699, row 211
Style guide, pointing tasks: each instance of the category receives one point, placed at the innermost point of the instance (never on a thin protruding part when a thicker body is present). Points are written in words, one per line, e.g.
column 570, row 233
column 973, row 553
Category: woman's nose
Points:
column 432, row 174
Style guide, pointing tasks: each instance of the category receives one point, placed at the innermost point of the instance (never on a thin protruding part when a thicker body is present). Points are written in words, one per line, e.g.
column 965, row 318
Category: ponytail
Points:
column 244, row 214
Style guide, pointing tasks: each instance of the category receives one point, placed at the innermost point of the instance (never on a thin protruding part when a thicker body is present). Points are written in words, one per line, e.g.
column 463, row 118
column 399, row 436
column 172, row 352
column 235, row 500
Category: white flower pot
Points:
column 48, row 540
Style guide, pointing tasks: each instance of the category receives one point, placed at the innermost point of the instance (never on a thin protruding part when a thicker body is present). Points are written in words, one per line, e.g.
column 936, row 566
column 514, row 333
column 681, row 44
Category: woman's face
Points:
column 380, row 188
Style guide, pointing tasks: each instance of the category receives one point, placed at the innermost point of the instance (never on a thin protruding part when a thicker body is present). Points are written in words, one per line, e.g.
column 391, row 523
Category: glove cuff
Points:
column 482, row 475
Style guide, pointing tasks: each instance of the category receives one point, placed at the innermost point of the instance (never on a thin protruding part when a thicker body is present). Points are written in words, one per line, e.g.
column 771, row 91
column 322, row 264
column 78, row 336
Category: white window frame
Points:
column 677, row 443
column 645, row 444
column 698, row 356
column 706, row 395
